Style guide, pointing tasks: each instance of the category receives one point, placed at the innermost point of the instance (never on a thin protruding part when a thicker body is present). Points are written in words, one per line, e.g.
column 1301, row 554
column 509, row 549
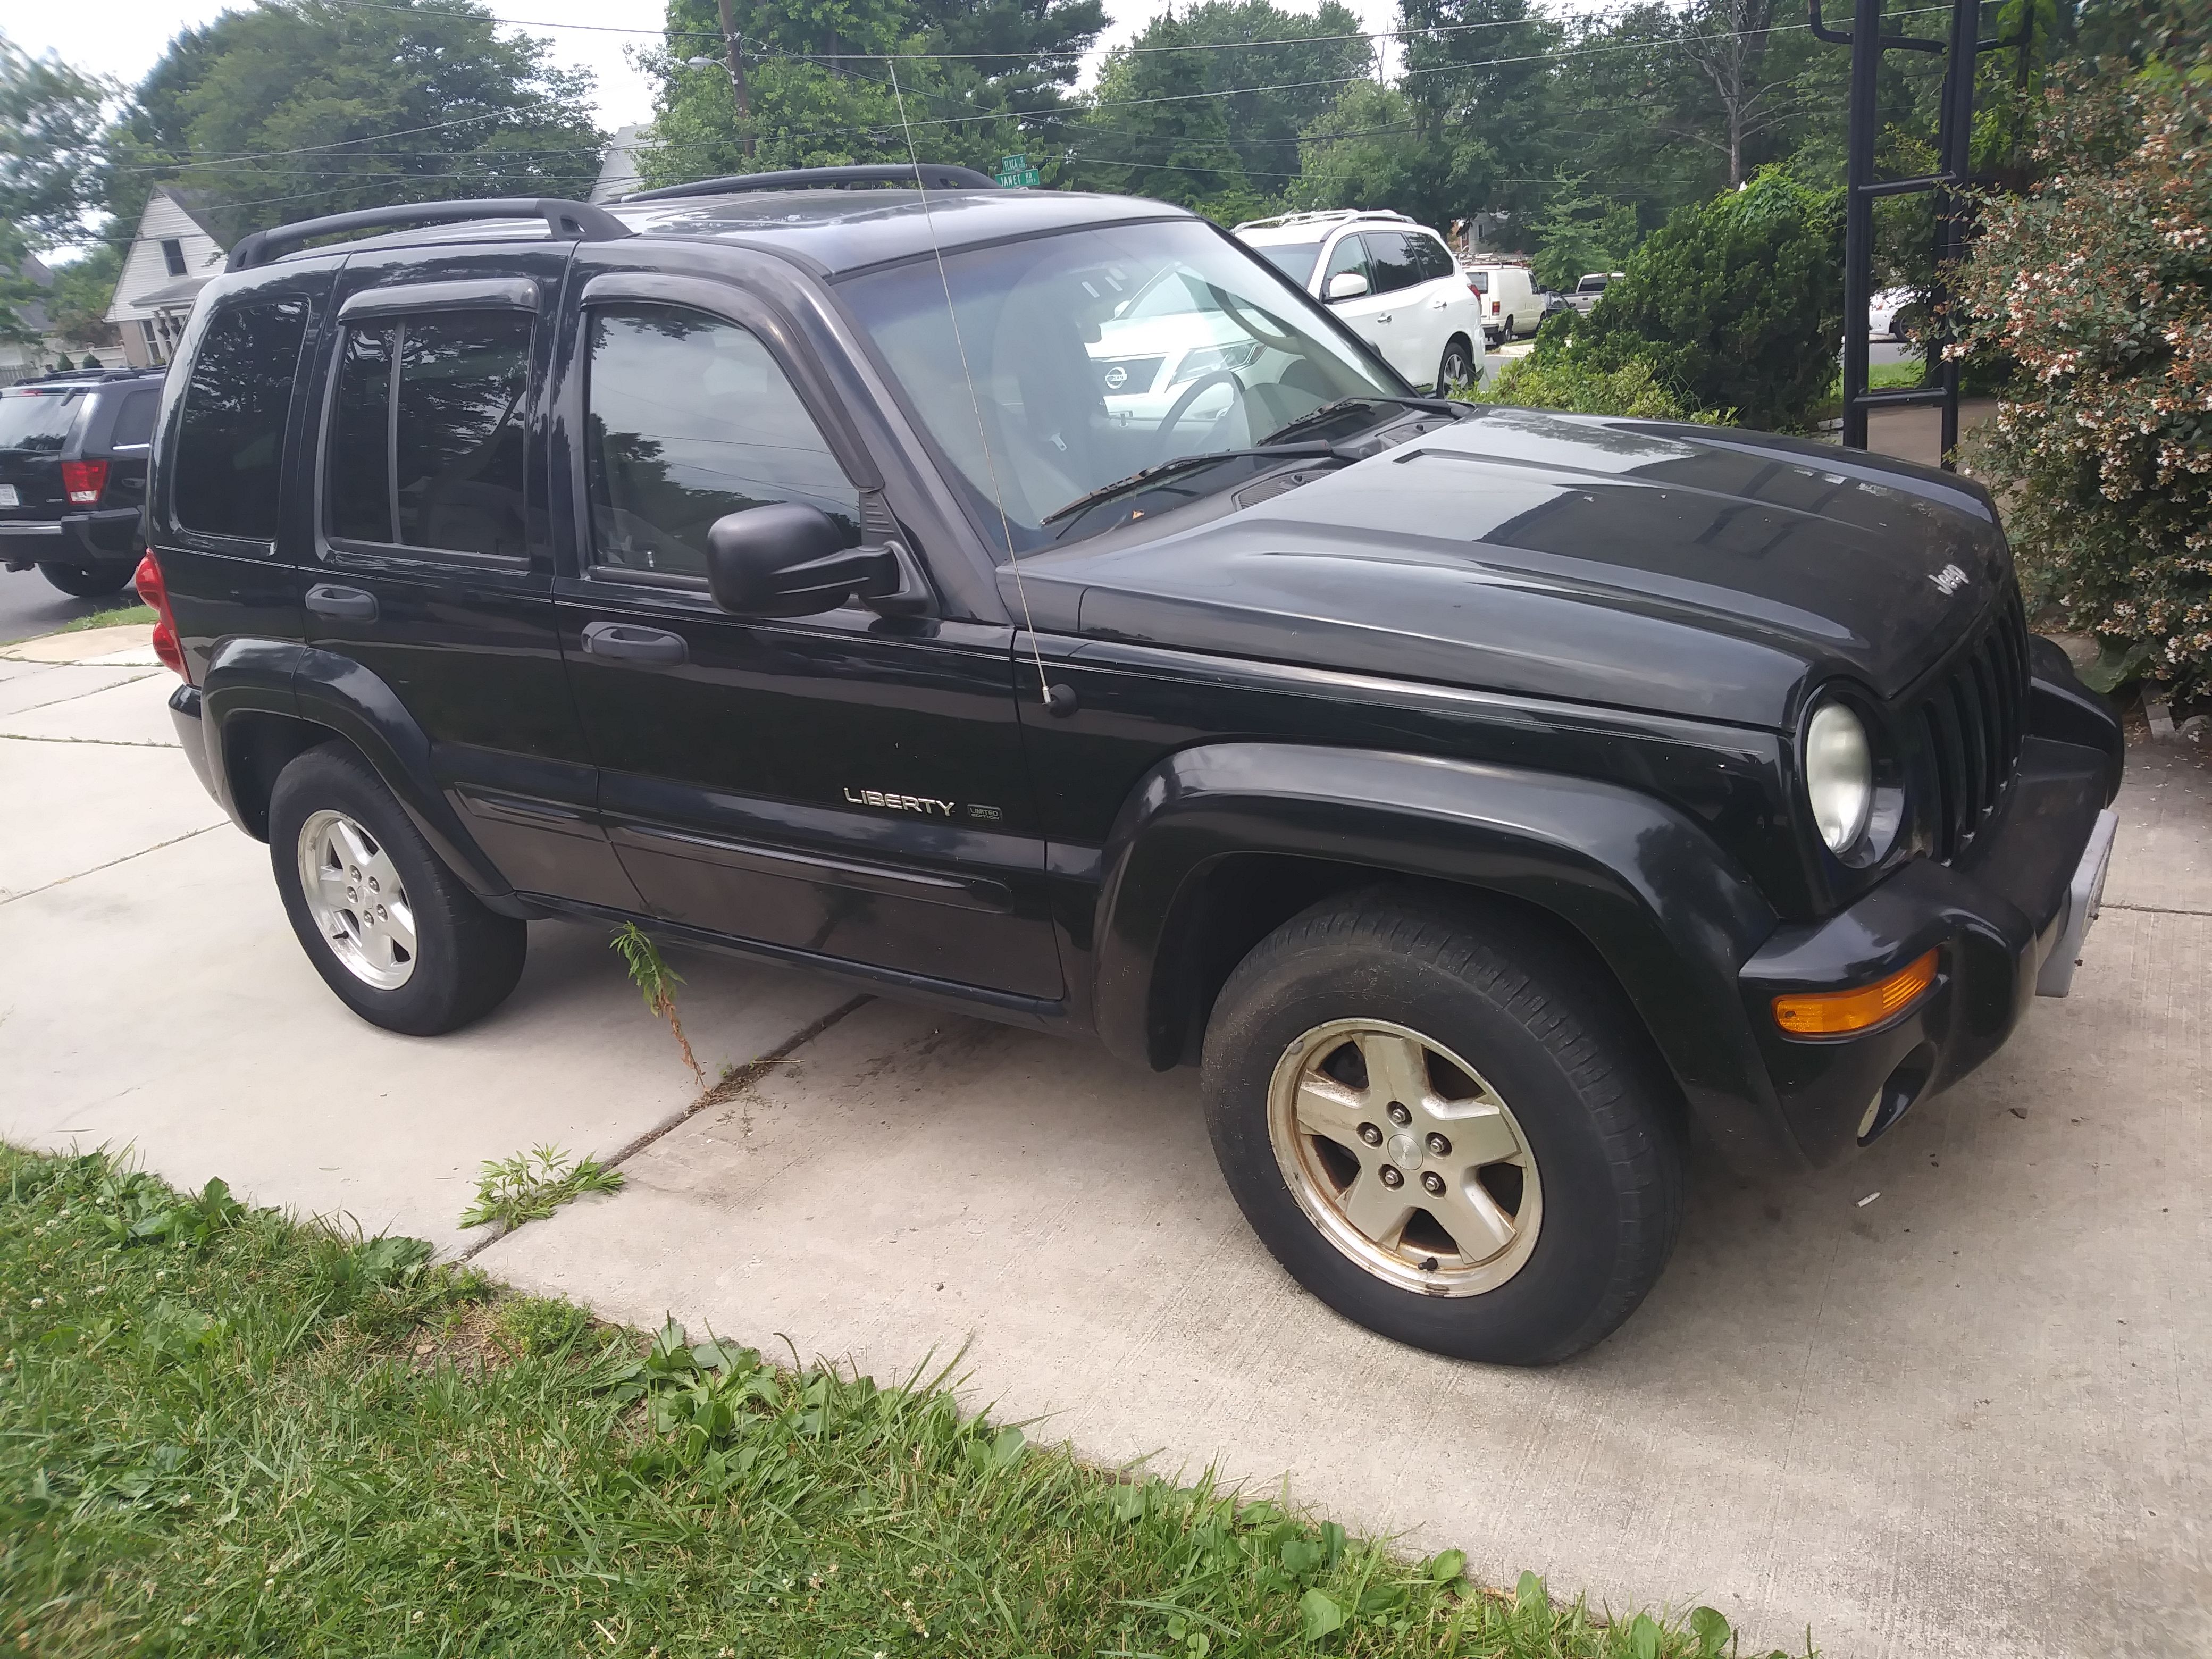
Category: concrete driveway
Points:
column 1965, row 1417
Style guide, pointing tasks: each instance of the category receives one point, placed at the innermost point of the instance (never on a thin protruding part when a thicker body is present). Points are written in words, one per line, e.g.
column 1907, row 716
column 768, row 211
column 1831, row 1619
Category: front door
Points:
column 1368, row 315
column 431, row 566
column 846, row 787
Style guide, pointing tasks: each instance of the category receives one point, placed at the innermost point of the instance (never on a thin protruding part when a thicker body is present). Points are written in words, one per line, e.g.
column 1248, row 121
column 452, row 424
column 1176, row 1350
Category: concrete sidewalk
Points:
column 1967, row 1417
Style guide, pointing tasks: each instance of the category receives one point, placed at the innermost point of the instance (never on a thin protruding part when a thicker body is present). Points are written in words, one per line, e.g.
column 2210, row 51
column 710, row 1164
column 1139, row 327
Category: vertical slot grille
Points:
column 1970, row 722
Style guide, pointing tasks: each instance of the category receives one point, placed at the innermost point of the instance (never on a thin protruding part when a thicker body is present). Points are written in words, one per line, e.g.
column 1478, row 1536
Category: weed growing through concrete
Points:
column 532, row 1185
column 656, row 982
column 262, row 1437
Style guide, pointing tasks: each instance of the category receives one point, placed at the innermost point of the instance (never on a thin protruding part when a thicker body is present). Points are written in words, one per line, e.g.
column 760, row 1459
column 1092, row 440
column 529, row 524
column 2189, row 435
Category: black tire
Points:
column 466, row 958
column 1552, row 1037
column 89, row 582
column 1505, row 329
column 1456, row 367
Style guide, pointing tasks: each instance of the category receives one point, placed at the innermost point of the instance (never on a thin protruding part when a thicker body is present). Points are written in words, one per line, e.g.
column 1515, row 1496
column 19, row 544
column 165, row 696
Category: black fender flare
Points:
column 322, row 691
column 1664, row 907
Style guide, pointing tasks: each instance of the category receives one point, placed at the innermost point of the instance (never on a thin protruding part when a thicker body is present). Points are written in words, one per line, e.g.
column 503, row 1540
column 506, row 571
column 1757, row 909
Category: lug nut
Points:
column 1399, row 1115
column 1439, row 1146
column 1371, row 1134
column 1391, row 1177
column 1433, row 1181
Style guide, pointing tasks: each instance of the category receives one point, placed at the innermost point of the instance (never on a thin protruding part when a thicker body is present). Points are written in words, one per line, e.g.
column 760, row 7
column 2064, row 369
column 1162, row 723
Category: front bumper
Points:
column 2006, row 920
column 79, row 540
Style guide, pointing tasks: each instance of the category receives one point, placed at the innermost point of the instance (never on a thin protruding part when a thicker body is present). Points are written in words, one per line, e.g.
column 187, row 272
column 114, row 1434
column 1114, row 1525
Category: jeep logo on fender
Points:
column 922, row 804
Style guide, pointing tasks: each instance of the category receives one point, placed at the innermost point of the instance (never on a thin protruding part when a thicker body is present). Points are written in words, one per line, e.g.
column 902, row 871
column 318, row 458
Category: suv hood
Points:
column 1690, row 570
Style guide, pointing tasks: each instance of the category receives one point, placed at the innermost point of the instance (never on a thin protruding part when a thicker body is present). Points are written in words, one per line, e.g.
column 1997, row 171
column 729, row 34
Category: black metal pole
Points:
column 1858, row 217
column 1955, row 146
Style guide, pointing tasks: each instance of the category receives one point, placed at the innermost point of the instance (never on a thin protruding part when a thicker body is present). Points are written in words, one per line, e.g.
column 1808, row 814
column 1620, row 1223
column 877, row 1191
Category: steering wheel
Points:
column 1181, row 405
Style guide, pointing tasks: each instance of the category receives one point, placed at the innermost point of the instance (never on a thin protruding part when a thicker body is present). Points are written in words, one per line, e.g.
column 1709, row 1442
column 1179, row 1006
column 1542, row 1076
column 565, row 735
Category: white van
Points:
column 1511, row 302
column 1393, row 281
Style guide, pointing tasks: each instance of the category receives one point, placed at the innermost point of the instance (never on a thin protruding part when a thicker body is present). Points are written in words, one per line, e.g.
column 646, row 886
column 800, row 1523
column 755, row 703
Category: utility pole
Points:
column 736, row 67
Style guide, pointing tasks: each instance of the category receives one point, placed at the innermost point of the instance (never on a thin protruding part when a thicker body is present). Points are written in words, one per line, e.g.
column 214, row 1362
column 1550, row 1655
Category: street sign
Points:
column 1015, row 172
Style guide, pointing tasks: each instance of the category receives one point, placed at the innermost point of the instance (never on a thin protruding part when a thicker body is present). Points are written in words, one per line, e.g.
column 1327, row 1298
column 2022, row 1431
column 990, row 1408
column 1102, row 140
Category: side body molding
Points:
column 262, row 701
column 1665, row 908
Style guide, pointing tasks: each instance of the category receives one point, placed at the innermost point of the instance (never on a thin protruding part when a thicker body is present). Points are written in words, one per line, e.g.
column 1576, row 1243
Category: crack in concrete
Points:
column 2154, row 909
column 29, row 892
column 110, row 743
column 728, row 1088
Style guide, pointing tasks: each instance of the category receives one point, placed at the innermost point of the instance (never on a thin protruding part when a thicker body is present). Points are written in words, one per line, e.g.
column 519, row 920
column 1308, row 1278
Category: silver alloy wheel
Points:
column 358, row 903
column 1457, row 370
column 1404, row 1157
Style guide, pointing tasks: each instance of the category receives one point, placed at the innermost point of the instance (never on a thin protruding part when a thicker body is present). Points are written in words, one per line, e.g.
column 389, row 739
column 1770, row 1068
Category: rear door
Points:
column 431, row 566
column 37, row 424
column 846, row 786
column 1407, row 334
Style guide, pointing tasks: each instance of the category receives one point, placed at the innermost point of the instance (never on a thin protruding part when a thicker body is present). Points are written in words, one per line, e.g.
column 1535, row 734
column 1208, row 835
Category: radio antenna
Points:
column 975, row 403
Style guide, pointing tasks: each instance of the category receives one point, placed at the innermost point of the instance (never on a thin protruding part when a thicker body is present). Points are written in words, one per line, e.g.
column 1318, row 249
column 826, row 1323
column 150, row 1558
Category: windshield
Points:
column 38, row 420
column 1294, row 259
column 1098, row 353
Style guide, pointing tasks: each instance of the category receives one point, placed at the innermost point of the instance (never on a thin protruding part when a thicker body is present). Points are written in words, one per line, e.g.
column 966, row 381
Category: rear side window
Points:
column 689, row 418
column 1430, row 256
column 1391, row 260
column 134, row 422
column 426, row 441
column 39, row 421
column 230, row 438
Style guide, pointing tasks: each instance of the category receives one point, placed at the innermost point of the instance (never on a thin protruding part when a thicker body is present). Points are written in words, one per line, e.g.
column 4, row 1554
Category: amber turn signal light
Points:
column 1838, row 1013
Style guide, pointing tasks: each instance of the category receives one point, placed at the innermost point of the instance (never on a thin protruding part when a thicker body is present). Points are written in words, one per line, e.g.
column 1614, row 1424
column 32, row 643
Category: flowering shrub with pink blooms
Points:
column 2098, row 283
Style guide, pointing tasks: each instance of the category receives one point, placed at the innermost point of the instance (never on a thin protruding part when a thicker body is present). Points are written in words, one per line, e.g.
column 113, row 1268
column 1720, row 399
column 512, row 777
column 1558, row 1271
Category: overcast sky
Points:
column 123, row 38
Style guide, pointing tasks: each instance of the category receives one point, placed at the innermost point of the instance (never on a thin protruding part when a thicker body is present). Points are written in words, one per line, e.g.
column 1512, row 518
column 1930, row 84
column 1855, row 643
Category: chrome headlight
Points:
column 1212, row 360
column 1838, row 774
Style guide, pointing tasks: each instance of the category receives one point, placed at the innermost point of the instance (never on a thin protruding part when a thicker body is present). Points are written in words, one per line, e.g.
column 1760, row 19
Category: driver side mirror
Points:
column 788, row 559
column 1344, row 285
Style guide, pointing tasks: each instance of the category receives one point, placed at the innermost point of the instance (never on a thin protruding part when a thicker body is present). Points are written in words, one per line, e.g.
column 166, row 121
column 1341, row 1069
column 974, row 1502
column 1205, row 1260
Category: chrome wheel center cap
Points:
column 1405, row 1151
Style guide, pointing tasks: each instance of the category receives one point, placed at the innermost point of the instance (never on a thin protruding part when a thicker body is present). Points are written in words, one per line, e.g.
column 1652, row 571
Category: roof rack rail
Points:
column 1322, row 216
column 933, row 175
column 562, row 219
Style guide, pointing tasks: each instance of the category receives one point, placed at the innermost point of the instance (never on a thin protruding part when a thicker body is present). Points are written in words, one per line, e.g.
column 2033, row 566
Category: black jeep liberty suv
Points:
column 1032, row 603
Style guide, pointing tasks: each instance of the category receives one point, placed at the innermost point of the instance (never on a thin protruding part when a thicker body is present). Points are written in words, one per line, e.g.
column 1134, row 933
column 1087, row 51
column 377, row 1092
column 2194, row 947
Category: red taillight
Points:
column 154, row 591
column 1493, row 307
column 83, row 481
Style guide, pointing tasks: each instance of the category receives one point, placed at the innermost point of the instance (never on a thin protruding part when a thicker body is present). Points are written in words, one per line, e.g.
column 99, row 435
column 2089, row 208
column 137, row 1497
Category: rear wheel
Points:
column 389, row 928
column 1506, row 328
column 1440, row 1125
column 89, row 582
column 1457, row 368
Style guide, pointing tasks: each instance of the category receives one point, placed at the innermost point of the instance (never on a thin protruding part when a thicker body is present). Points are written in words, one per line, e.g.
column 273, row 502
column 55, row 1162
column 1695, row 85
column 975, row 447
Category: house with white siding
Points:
column 173, row 257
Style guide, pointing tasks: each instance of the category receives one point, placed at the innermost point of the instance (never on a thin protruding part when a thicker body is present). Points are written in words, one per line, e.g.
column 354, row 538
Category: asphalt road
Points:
column 30, row 606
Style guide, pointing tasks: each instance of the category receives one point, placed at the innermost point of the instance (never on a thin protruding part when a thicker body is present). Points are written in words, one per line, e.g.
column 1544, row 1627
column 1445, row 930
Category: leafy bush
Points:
column 2098, row 284
column 1559, row 382
column 1739, row 302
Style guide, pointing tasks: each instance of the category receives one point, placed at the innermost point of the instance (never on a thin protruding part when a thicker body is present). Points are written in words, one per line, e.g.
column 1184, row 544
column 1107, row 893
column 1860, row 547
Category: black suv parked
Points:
column 1481, row 797
column 73, row 449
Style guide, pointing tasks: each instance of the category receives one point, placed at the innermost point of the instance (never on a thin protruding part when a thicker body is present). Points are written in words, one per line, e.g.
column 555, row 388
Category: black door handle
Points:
column 341, row 604
column 627, row 643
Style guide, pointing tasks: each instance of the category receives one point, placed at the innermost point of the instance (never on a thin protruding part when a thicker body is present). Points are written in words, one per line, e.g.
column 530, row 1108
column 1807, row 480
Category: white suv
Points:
column 1393, row 281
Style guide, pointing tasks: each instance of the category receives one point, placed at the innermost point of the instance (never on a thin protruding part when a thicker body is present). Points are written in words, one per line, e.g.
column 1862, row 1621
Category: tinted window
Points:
column 1294, row 259
column 1390, row 261
column 446, row 476
column 687, row 419
column 1431, row 257
column 39, row 421
column 232, row 435
column 134, row 422
column 1348, row 255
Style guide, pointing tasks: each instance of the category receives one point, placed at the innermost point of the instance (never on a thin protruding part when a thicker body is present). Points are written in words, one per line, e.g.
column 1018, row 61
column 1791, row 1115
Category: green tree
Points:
column 1578, row 232
column 821, row 93
column 1479, row 75
column 49, row 132
column 76, row 305
column 301, row 108
column 1737, row 303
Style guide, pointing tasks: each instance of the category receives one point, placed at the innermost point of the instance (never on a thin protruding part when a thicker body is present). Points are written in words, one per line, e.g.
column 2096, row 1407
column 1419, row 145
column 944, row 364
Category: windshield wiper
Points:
column 1329, row 412
column 1167, row 469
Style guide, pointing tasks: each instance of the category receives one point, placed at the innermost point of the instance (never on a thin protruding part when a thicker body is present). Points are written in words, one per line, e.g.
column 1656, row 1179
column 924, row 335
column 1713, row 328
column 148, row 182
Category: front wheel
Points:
column 89, row 582
column 1439, row 1124
column 389, row 928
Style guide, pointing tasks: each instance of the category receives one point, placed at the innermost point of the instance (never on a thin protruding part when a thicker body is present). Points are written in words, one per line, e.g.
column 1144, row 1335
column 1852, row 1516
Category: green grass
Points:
column 124, row 615
column 532, row 1185
column 225, row 1433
